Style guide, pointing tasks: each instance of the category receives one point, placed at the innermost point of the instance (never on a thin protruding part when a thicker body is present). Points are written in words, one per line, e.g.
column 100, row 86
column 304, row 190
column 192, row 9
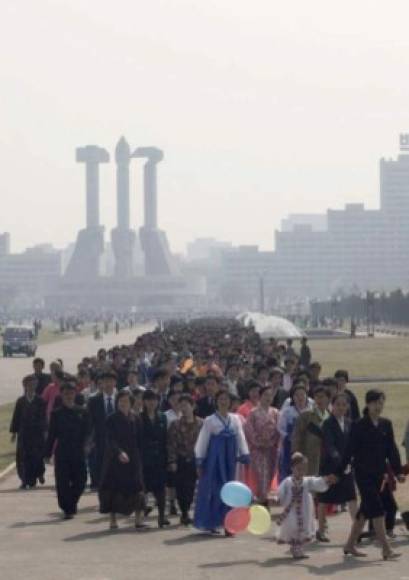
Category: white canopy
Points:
column 270, row 326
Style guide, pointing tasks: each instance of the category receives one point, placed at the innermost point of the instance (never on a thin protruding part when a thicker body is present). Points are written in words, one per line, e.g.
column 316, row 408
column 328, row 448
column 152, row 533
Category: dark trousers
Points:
column 70, row 481
column 185, row 483
column 160, row 496
column 30, row 463
column 93, row 468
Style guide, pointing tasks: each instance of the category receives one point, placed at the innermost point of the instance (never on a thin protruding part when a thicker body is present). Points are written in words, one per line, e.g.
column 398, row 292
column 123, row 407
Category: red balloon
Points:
column 237, row 520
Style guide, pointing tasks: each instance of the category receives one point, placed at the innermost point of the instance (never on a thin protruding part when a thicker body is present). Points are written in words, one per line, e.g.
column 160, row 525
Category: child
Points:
column 297, row 521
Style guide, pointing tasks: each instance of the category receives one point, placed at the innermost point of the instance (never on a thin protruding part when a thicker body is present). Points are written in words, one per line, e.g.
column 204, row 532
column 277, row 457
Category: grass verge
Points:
column 7, row 449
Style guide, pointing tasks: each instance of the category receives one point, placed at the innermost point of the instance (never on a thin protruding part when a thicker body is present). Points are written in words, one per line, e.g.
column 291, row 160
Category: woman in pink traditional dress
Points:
column 263, row 438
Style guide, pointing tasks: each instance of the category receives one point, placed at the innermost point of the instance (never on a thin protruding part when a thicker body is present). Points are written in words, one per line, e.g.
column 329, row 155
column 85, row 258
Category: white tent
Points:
column 270, row 326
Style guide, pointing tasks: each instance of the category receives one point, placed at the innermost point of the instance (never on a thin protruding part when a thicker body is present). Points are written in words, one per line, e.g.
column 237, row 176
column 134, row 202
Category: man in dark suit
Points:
column 206, row 405
column 160, row 385
column 275, row 381
column 42, row 379
column 100, row 407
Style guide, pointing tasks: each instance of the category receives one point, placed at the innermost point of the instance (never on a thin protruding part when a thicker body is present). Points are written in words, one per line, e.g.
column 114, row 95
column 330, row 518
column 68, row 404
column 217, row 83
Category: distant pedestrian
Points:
column 305, row 353
column 28, row 426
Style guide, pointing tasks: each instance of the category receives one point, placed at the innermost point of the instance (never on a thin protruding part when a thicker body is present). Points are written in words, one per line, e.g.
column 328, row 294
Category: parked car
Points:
column 19, row 340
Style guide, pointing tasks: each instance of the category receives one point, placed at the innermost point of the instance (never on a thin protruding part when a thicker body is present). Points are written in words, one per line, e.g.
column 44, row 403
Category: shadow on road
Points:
column 107, row 532
column 324, row 570
column 213, row 565
column 58, row 520
column 192, row 538
column 33, row 490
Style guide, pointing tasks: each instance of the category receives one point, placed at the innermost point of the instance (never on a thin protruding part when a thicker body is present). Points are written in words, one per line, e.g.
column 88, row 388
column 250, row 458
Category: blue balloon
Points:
column 235, row 494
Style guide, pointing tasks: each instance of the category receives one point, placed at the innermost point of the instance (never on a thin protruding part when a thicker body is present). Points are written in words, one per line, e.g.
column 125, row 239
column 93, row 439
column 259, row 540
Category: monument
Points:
column 162, row 286
column 158, row 259
column 123, row 239
column 85, row 261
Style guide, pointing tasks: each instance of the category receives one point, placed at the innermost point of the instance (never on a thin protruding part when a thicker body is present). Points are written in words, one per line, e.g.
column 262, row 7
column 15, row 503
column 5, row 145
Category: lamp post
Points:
column 262, row 294
column 370, row 313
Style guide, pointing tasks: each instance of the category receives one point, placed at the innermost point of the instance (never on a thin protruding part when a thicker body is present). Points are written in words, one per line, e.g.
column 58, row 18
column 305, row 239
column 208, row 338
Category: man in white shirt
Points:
column 232, row 378
column 288, row 377
column 173, row 413
column 100, row 407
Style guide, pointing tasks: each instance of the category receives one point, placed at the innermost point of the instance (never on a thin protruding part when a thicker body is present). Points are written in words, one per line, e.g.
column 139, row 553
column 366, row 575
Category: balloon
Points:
column 237, row 520
column 260, row 520
column 235, row 494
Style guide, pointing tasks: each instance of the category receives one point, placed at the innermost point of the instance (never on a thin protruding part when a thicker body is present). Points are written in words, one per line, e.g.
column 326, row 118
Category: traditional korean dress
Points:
column 221, row 444
column 263, row 437
column 297, row 521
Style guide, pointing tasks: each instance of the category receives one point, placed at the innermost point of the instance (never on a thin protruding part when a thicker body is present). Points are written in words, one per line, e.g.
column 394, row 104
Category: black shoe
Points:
column 162, row 522
column 185, row 520
column 148, row 510
column 173, row 511
column 41, row 480
column 322, row 538
column 68, row 516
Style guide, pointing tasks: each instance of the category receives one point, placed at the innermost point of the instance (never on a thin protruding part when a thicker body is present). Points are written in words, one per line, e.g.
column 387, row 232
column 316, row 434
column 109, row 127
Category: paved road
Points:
column 35, row 543
column 71, row 350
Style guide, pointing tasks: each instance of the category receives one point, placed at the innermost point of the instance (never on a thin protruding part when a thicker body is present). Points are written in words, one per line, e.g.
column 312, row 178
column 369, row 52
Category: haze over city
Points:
column 262, row 109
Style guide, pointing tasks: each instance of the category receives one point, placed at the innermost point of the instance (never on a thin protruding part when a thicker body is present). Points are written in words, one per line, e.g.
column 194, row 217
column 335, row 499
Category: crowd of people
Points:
column 192, row 406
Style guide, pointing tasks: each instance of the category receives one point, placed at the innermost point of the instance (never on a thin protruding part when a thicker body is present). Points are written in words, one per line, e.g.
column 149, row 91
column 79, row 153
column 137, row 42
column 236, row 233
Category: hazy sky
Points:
column 262, row 108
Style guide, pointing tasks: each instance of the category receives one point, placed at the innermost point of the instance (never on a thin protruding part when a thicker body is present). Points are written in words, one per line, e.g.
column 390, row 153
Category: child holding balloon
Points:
column 297, row 521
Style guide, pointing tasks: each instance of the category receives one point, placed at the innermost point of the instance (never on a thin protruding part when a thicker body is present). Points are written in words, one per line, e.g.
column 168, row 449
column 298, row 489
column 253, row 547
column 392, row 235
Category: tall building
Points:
column 359, row 249
column 205, row 249
column 30, row 275
column 243, row 270
column 318, row 222
column 4, row 244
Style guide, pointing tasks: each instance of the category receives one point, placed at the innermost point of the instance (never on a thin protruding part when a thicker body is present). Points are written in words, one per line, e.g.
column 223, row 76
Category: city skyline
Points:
column 287, row 110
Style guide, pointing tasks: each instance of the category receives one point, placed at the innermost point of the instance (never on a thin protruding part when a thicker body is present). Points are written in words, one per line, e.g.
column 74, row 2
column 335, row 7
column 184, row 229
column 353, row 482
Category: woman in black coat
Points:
column 155, row 457
column 336, row 432
column 121, row 486
column 371, row 452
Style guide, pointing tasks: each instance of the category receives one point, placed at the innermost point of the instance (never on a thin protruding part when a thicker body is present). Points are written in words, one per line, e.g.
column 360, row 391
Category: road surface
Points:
column 36, row 544
column 71, row 350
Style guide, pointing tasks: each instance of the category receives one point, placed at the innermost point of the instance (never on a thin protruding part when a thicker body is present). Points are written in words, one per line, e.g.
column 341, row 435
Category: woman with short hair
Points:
column 371, row 450
column 121, row 486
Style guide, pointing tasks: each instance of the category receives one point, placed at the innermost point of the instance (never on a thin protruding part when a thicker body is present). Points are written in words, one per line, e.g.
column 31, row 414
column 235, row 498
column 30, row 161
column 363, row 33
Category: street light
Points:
column 370, row 313
column 262, row 294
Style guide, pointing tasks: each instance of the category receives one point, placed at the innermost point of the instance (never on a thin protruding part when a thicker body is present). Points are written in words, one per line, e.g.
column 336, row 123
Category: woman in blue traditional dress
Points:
column 221, row 444
column 289, row 414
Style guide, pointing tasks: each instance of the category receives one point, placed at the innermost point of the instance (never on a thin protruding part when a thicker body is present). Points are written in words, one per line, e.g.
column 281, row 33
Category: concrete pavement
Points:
column 71, row 350
column 35, row 543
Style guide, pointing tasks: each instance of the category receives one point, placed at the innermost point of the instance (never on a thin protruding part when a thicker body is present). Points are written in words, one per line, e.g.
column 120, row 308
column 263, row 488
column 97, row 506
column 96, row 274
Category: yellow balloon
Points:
column 260, row 520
